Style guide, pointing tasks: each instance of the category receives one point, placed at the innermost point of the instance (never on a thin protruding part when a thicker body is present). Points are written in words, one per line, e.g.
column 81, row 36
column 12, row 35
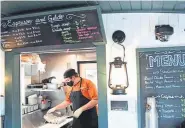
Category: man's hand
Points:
column 78, row 112
column 51, row 110
column 63, row 105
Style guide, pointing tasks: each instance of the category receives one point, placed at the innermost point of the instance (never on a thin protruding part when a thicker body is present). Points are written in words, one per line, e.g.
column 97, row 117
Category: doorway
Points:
column 13, row 87
column 88, row 69
column 35, row 80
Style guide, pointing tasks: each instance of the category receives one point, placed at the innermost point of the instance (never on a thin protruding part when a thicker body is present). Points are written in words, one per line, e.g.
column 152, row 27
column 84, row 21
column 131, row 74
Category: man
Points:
column 82, row 93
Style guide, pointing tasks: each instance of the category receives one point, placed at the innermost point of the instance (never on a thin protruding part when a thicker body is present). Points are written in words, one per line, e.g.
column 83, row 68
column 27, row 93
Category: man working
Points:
column 82, row 93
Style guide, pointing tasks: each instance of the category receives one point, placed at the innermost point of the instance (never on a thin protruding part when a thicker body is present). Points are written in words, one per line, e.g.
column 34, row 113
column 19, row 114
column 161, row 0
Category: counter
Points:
column 35, row 120
column 48, row 125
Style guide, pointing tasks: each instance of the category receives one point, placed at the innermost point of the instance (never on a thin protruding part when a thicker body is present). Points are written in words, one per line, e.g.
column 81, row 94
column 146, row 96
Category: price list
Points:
column 183, row 107
column 21, row 36
column 52, row 29
column 163, row 76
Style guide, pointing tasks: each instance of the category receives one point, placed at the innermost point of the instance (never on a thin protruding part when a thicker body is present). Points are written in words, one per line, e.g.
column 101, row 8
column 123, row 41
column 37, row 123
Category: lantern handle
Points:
column 126, row 76
column 123, row 50
column 125, row 65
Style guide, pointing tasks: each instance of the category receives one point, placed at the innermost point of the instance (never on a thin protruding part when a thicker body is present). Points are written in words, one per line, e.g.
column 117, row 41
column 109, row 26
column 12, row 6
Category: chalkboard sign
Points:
column 52, row 29
column 162, row 75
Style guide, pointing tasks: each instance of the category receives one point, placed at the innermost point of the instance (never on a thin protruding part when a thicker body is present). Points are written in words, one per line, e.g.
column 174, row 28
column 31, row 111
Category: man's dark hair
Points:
column 69, row 73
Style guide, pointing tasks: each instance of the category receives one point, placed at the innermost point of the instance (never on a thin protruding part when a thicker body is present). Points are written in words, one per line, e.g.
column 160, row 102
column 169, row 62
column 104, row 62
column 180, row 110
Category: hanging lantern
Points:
column 118, row 77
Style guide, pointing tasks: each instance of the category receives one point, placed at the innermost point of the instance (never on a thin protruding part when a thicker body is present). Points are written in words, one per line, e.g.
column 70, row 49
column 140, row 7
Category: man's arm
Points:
column 66, row 102
column 63, row 105
column 89, row 105
column 93, row 93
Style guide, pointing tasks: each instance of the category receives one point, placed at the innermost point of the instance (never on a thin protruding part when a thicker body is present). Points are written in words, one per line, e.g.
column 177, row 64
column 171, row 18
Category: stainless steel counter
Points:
column 67, row 121
column 35, row 120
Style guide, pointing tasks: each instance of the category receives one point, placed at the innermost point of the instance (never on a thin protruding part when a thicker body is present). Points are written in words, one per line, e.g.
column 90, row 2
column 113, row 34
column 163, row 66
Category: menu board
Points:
column 162, row 75
column 51, row 29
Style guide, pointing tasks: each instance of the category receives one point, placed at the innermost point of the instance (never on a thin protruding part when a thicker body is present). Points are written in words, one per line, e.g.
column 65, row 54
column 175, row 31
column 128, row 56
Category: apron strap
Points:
column 80, row 82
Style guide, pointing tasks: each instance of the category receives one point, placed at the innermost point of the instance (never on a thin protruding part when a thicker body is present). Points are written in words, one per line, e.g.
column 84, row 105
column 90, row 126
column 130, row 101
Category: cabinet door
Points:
column 31, row 70
column 27, row 69
column 34, row 70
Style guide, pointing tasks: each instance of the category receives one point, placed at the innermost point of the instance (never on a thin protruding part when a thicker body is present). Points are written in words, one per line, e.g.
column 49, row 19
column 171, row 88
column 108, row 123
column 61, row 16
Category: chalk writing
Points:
column 163, row 76
column 55, row 18
column 51, row 29
column 70, row 16
column 163, row 96
column 41, row 21
column 9, row 23
column 167, row 60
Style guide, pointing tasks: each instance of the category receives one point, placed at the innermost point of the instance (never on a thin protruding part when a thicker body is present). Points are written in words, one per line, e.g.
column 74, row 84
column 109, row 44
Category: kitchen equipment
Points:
column 52, row 86
column 22, row 111
column 45, row 86
column 25, row 109
column 35, row 85
column 29, row 108
column 40, row 99
column 45, row 104
column 35, row 107
column 32, row 100
column 51, row 82
column 48, row 80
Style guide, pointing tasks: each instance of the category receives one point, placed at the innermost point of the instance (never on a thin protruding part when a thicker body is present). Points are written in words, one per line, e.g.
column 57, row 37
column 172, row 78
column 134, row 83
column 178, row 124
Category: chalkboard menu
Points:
column 162, row 75
column 51, row 29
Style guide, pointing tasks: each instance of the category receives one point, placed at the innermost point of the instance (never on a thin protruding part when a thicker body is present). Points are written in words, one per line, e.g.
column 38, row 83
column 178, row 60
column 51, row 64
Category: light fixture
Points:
column 118, row 36
column 118, row 76
column 163, row 32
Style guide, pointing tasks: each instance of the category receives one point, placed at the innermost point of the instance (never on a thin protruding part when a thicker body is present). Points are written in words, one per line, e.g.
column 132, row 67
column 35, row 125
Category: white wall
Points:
column 139, row 30
column 2, row 72
column 58, row 63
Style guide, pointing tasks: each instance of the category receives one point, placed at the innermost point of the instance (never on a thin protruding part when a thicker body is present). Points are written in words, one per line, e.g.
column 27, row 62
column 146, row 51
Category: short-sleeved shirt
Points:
column 88, row 90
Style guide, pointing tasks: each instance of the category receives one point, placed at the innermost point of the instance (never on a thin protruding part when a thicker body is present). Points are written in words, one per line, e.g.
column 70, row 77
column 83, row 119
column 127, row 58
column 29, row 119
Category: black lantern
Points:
column 118, row 76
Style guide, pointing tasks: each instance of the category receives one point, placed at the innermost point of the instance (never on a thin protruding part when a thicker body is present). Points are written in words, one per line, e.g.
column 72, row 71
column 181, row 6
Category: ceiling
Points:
column 9, row 8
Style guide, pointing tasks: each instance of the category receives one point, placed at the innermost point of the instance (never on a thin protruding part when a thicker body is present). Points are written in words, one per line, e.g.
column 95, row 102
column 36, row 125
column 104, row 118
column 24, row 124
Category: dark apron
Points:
column 88, row 118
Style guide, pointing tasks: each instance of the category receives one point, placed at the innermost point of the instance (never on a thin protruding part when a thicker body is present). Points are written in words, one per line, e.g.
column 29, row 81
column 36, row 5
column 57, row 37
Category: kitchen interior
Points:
column 42, row 87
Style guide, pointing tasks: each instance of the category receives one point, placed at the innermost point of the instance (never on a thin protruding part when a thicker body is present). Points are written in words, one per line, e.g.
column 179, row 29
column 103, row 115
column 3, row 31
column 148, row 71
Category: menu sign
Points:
column 51, row 29
column 162, row 75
